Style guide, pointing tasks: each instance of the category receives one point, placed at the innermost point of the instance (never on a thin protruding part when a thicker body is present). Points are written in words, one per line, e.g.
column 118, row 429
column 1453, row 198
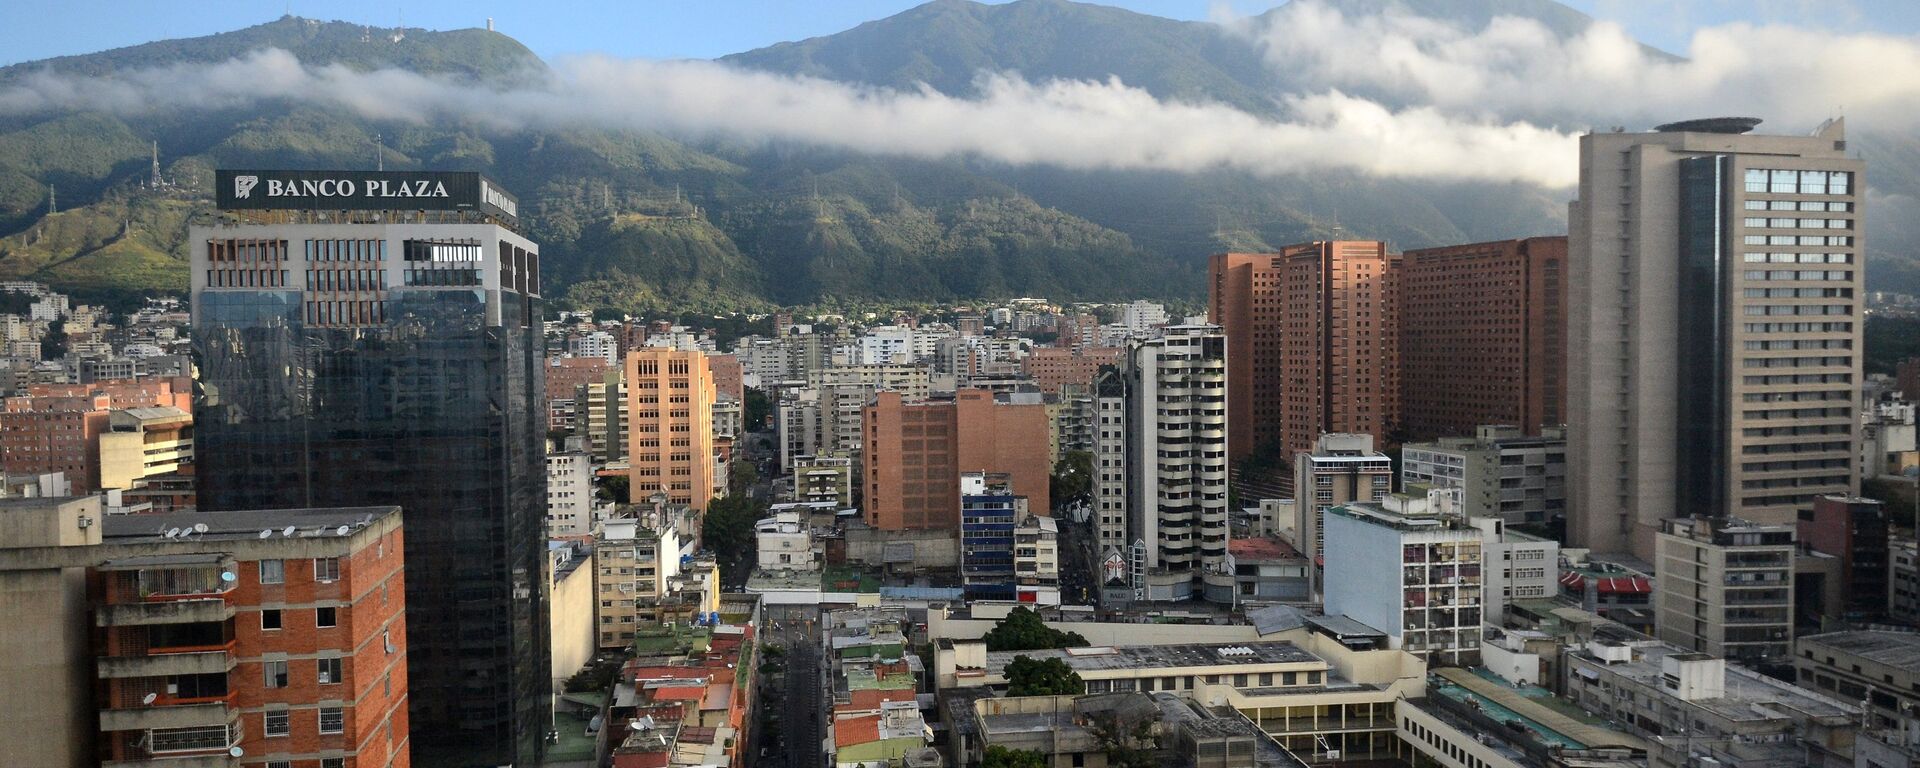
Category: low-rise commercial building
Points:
column 1499, row 471
column 1401, row 567
column 1878, row 668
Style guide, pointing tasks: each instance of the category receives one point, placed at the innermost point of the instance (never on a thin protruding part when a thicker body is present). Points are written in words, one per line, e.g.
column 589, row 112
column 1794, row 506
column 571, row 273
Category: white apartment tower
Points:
column 1715, row 327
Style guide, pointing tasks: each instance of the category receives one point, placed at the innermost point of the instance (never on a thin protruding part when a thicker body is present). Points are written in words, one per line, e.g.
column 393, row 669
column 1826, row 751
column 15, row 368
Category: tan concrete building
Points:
column 670, row 396
column 570, row 589
column 144, row 442
column 1724, row 586
column 1340, row 469
column 1714, row 324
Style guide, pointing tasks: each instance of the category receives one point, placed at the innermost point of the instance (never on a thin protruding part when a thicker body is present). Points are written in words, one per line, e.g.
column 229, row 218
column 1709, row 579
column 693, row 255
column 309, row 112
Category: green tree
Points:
column 1022, row 630
column 727, row 529
column 1027, row 677
column 616, row 488
column 756, row 410
column 1127, row 740
column 1001, row 757
column 1072, row 477
column 741, row 475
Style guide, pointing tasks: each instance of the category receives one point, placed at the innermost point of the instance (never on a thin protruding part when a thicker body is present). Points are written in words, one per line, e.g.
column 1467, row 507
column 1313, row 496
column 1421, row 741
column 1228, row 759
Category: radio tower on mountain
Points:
column 155, row 182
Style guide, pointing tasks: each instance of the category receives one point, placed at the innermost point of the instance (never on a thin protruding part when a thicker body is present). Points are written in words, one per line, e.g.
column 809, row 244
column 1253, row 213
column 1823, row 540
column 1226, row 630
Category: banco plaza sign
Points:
column 362, row 191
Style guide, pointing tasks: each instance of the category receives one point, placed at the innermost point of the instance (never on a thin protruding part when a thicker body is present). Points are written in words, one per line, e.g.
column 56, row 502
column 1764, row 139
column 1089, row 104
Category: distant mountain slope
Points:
column 631, row 220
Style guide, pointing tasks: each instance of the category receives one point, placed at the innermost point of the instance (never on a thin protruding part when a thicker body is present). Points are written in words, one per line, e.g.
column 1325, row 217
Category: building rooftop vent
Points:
column 1711, row 125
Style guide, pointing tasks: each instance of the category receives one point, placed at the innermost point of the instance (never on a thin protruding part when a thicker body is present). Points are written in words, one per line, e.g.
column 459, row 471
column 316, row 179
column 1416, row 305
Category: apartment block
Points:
column 572, row 505
column 1854, row 530
column 1313, row 344
column 1483, row 334
column 826, row 479
column 1517, row 567
column 1340, row 469
column 58, row 427
column 1499, row 471
column 915, row 454
column 192, row 638
column 1054, row 369
column 142, row 443
column 1724, row 586
column 670, row 395
column 1171, row 458
column 1713, row 325
column 1416, row 575
column 989, row 510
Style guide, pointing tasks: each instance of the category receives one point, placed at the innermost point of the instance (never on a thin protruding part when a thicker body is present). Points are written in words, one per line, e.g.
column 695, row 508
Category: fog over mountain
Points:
column 955, row 149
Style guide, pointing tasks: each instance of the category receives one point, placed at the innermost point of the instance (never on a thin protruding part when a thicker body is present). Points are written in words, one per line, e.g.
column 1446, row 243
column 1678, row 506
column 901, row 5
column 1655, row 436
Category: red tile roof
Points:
column 856, row 730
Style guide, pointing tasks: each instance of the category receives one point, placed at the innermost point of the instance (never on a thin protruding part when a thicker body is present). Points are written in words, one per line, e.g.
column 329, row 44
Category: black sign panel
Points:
column 362, row 191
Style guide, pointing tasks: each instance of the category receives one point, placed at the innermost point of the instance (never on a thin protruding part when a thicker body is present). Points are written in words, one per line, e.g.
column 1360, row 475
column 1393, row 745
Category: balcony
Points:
column 162, row 664
column 195, row 747
column 181, row 611
column 165, row 717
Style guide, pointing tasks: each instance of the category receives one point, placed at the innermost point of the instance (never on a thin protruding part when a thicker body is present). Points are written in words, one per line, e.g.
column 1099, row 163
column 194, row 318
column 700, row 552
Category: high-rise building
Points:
column 1403, row 568
column 1483, row 337
column 1054, row 369
column 1109, row 496
column 355, row 350
column 1173, row 465
column 571, row 502
column 1714, row 327
column 1313, row 346
column 194, row 638
column 1724, row 586
column 916, row 452
column 1500, row 472
column 670, row 396
column 600, row 415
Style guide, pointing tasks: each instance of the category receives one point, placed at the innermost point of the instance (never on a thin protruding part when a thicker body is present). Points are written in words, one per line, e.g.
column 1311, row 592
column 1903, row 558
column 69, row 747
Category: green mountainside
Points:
column 633, row 221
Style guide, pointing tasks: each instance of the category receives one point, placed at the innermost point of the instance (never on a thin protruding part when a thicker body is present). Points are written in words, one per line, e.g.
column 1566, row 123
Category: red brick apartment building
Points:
column 1312, row 342
column 57, row 427
column 1483, row 337
column 915, row 452
column 1053, row 368
column 270, row 638
column 1344, row 336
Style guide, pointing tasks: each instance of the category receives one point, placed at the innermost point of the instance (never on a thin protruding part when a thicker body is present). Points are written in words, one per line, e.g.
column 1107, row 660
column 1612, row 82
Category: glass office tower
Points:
column 379, row 362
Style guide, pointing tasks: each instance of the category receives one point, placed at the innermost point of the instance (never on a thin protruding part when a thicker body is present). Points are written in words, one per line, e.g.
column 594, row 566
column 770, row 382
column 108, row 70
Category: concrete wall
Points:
column 931, row 548
column 570, row 621
column 46, row 669
column 1363, row 574
column 1104, row 633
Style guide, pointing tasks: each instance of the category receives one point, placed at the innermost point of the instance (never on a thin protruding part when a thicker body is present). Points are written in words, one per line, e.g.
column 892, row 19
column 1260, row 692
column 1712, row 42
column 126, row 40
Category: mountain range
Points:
column 633, row 221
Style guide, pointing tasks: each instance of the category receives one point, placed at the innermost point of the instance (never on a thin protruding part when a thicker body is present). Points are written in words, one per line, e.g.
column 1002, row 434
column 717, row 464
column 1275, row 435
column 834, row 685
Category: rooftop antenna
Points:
column 379, row 152
column 53, row 205
column 489, row 23
column 155, row 182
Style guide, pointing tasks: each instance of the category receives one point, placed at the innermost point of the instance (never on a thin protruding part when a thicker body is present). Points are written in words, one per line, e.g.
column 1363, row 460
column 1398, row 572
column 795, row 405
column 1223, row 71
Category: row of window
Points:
column 1784, row 182
column 1804, row 274
column 1787, row 222
column 1837, row 206
column 1797, row 309
column 331, row 720
column 1841, row 240
column 1798, row 293
column 327, row 671
column 325, row 569
column 1753, row 257
column 246, row 278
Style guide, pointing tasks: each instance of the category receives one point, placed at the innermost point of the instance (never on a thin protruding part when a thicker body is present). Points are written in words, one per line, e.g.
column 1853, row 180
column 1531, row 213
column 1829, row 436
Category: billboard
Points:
column 236, row 190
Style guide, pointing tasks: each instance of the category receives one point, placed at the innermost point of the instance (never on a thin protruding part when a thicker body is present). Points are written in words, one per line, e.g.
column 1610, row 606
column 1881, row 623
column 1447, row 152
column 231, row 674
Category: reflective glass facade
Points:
column 422, row 397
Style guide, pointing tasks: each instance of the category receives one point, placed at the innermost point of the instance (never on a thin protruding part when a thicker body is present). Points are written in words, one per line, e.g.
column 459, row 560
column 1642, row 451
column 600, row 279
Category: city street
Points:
column 801, row 705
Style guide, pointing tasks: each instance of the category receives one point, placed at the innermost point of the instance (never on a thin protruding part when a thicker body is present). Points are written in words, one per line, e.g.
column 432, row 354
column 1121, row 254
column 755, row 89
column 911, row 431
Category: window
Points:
column 276, row 676
column 278, row 723
column 279, row 764
column 333, row 762
column 326, row 569
column 326, row 617
column 332, row 720
column 329, row 671
column 273, row 571
column 270, row 618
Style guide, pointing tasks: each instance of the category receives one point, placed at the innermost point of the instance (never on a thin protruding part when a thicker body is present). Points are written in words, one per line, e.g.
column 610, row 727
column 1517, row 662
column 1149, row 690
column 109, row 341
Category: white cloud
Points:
column 1069, row 124
column 1517, row 69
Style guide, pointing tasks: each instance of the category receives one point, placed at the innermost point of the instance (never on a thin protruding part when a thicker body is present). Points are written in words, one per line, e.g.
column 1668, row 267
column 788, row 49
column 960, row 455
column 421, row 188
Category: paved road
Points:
column 801, row 708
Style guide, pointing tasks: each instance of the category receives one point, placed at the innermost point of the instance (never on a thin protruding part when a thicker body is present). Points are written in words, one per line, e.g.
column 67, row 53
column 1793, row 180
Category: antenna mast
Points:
column 53, row 205
column 379, row 153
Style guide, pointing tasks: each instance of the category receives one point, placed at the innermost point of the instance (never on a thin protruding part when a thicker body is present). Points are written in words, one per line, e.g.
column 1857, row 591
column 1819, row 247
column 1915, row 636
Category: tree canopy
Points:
column 1002, row 757
column 1052, row 677
column 727, row 529
column 1022, row 630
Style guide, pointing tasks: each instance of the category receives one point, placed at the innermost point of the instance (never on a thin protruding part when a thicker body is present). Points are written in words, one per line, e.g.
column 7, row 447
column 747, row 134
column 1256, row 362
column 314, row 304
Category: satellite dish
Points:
column 340, row 531
column 288, row 531
column 199, row 527
column 266, row 533
column 149, row 698
column 236, row 751
column 226, row 575
column 172, row 533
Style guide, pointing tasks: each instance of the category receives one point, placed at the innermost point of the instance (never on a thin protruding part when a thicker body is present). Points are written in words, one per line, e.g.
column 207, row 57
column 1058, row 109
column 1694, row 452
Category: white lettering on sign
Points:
column 349, row 188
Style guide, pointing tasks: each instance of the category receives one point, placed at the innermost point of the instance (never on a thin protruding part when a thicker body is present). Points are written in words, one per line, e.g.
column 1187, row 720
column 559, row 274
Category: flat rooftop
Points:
column 1163, row 656
column 1894, row 649
column 1750, row 696
column 242, row 524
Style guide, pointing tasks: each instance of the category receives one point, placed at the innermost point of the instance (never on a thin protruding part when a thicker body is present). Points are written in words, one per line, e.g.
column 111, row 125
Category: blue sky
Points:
column 36, row 29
